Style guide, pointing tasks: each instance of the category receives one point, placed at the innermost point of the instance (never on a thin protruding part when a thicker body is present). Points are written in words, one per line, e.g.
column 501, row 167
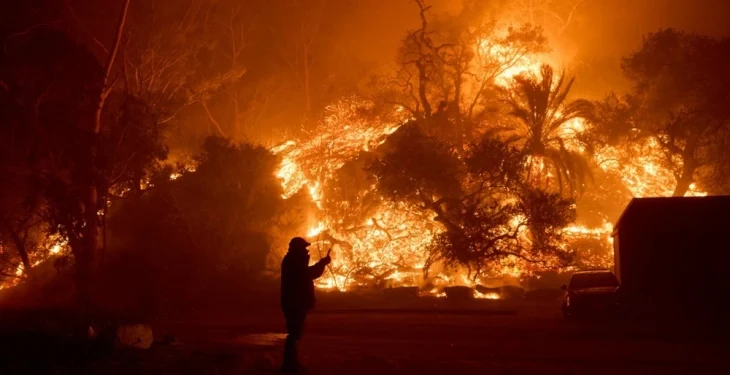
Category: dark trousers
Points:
column 294, row 328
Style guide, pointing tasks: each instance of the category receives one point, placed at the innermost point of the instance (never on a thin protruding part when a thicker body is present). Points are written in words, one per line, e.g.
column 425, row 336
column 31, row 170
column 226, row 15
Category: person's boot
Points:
column 298, row 370
column 291, row 361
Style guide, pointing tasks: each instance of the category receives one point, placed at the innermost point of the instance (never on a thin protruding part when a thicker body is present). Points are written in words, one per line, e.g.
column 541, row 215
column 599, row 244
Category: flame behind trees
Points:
column 675, row 122
column 683, row 84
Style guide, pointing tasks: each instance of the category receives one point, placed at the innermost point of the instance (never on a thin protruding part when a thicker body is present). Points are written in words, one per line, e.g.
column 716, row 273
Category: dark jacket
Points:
column 297, row 280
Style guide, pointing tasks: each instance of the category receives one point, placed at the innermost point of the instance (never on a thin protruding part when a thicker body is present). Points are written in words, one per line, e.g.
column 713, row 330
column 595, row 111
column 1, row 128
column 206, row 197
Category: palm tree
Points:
column 542, row 113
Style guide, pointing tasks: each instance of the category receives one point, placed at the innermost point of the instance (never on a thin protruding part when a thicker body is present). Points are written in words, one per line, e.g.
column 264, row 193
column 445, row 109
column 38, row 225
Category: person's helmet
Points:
column 298, row 242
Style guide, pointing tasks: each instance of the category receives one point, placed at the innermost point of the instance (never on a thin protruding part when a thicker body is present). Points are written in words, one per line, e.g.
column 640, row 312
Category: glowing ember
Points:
column 19, row 270
column 601, row 232
column 487, row 295
column 56, row 248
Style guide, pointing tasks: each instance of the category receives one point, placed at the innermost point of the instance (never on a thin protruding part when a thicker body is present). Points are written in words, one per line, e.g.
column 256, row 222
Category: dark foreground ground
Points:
column 528, row 339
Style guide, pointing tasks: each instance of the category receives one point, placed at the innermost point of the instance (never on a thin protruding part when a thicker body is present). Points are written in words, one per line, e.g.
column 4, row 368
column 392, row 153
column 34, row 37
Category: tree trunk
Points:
column 19, row 246
column 688, row 168
column 27, row 267
column 685, row 180
column 86, row 256
column 422, row 82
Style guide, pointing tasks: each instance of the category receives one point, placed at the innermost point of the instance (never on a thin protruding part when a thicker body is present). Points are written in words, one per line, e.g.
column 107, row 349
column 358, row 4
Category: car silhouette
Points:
column 591, row 293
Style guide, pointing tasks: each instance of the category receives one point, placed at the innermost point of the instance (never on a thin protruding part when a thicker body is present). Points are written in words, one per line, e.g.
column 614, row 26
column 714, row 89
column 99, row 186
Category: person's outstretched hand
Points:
column 327, row 259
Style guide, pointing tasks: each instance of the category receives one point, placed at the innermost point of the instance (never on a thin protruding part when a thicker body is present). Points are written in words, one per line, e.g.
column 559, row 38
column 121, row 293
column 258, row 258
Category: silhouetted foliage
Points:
column 681, row 86
column 132, row 146
column 487, row 209
column 48, row 85
column 612, row 119
column 204, row 232
column 418, row 167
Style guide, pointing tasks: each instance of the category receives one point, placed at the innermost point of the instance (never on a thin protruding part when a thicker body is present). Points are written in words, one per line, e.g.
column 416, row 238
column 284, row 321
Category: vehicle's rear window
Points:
column 593, row 280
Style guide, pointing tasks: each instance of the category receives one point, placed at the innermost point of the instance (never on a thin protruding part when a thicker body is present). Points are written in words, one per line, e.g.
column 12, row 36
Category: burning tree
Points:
column 487, row 210
column 543, row 118
column 386, row 199
column 450, row 70
column 681, row 84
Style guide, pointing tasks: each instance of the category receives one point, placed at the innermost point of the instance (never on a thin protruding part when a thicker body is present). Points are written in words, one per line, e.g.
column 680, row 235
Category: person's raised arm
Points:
column 316, row 270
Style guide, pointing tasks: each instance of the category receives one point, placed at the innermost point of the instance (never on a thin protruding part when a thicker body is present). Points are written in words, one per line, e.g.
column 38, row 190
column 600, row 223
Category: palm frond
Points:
column 498, row 130
column 513, row 139
column 539, row 104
